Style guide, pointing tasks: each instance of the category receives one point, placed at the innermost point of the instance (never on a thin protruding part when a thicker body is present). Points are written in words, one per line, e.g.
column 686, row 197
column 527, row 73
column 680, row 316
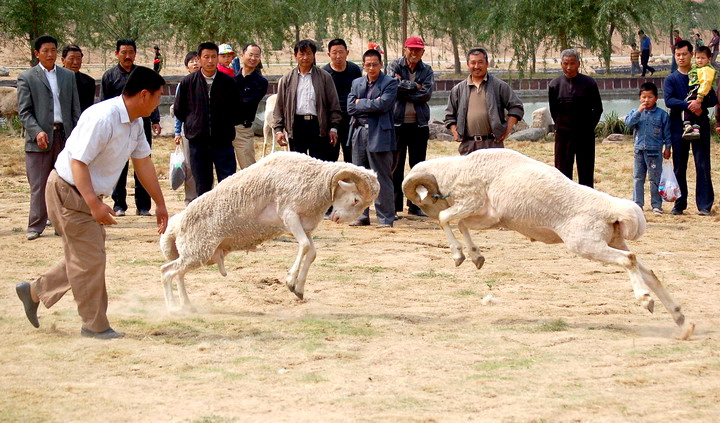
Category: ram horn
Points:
column 367, row 184
column 425, row 179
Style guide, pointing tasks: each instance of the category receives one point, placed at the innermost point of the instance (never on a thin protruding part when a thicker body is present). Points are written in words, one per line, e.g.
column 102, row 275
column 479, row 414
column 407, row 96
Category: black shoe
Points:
column 106, row 334
column 23, row 292
column 676, row 212
column 143, row 212
column 32, row 235
column 361, row 222
column 119, row 212
column 416, row 211
column 704, row 212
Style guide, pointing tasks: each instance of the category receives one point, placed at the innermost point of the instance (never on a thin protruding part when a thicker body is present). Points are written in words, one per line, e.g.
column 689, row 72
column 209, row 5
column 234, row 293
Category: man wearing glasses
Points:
column 372, row 133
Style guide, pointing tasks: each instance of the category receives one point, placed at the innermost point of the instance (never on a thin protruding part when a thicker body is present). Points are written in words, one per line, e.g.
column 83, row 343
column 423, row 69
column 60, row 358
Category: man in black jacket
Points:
column 112, row 85
column 207, row 104
column 412, row 113
column 72, row 57
column 576, row 108
column 252, row 87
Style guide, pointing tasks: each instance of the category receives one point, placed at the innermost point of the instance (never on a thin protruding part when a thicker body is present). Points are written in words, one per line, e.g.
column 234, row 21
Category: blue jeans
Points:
column 647, row 162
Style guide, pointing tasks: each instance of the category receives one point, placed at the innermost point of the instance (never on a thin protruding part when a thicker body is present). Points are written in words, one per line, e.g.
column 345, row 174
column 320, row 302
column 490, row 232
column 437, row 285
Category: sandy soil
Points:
column 390, row 329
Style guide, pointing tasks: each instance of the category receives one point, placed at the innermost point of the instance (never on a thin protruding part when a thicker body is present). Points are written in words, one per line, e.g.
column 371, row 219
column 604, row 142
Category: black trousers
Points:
column 704, row 192
column 412, row 141
column 343, row 134
column 204, row 154
column 119, row 194
column 333, row 153
column 644, row 57
column 570, row 147
column 307, row 140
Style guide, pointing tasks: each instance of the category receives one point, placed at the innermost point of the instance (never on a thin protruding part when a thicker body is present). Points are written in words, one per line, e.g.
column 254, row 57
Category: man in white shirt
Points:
column 49, row 108
column 86, row 170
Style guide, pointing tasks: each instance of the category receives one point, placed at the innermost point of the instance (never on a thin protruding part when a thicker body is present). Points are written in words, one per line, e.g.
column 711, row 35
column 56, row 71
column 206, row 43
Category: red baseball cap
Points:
column 414, row 42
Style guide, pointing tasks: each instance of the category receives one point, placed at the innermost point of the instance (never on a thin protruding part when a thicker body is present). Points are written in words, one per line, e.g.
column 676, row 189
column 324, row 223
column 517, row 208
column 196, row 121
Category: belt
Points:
column 358, row 123
column 58, row 126
column 306, row 117
column 480, row 137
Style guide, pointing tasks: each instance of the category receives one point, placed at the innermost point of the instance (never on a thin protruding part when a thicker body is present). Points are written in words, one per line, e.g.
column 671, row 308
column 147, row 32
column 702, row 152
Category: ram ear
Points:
column 422, row 192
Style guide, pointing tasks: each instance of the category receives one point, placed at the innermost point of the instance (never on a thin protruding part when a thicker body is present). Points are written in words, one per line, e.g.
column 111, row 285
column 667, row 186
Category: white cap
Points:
column 225, row 49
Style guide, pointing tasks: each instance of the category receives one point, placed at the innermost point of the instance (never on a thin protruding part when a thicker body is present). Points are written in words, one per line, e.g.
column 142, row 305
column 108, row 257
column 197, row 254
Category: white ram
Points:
column 503, row 188
column 284, row 192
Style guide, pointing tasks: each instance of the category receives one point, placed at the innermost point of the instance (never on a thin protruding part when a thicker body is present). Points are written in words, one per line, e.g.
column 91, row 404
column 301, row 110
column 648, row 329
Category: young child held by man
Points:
column 225, row 58
column 651, row 131
column 702, row 77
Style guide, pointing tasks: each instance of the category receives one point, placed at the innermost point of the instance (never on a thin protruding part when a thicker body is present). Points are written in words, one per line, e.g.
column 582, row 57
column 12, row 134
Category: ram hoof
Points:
column 479, row 261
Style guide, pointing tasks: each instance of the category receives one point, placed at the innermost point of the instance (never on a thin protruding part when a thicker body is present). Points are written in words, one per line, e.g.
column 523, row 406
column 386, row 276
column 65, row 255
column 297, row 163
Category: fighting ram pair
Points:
column 290, row 192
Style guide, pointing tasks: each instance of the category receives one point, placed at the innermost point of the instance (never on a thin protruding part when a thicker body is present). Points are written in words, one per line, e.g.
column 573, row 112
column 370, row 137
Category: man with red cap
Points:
column 411, row 114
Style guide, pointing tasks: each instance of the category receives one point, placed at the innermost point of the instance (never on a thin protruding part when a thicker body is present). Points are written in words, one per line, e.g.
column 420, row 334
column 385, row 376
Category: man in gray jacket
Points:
column 477, row 107
column 49, row 108
column 307, row 107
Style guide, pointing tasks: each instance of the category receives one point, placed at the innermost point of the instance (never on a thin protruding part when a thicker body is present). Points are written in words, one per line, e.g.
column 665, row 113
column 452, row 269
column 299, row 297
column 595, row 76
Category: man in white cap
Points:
column 412, row 113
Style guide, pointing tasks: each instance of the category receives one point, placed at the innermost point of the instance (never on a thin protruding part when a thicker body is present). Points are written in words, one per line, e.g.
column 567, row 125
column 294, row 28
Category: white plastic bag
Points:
column 177, row 168
column 669, row 188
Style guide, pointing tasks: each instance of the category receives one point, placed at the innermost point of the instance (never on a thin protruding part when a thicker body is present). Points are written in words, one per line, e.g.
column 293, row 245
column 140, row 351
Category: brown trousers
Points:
column 37, row 167
column 244, row 145
column 83, row 267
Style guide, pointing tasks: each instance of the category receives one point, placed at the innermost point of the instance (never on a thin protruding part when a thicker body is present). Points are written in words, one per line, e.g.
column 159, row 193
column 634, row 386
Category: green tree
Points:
column 461, row 20
column 25, row 20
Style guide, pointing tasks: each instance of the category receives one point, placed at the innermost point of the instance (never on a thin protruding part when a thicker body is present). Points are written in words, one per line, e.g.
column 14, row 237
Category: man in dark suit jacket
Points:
column 372, row 134
column 72, row 57
column 207, row 104
column 49, row 108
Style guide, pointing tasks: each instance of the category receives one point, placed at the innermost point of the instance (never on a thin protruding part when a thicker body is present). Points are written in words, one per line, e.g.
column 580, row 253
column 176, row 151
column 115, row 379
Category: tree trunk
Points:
column 533, row 57
column 404, row 12
column 563, row 38
column 609, row 49
column 456, row 52
column 34, row 33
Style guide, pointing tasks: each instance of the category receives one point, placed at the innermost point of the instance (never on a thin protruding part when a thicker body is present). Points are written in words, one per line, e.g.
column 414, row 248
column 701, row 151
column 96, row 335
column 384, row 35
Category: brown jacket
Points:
column 326, row 101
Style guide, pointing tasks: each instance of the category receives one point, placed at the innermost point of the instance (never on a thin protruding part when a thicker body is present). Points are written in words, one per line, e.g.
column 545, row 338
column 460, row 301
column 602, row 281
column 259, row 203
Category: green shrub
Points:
column 611, row 124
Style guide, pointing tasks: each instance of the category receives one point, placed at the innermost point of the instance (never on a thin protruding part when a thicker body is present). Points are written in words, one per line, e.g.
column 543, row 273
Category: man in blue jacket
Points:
column 676, row 89
column 372, row 133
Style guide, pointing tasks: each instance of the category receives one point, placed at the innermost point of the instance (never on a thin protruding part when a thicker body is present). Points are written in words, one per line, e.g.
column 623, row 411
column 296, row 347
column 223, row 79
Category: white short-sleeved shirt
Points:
column 103, row 139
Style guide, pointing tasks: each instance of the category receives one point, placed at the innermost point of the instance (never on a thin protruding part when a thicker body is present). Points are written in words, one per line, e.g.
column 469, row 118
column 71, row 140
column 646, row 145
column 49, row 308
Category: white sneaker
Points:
column 657, row 210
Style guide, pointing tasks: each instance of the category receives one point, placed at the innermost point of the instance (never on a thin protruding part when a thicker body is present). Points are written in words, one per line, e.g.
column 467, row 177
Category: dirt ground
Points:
column 390, row 330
